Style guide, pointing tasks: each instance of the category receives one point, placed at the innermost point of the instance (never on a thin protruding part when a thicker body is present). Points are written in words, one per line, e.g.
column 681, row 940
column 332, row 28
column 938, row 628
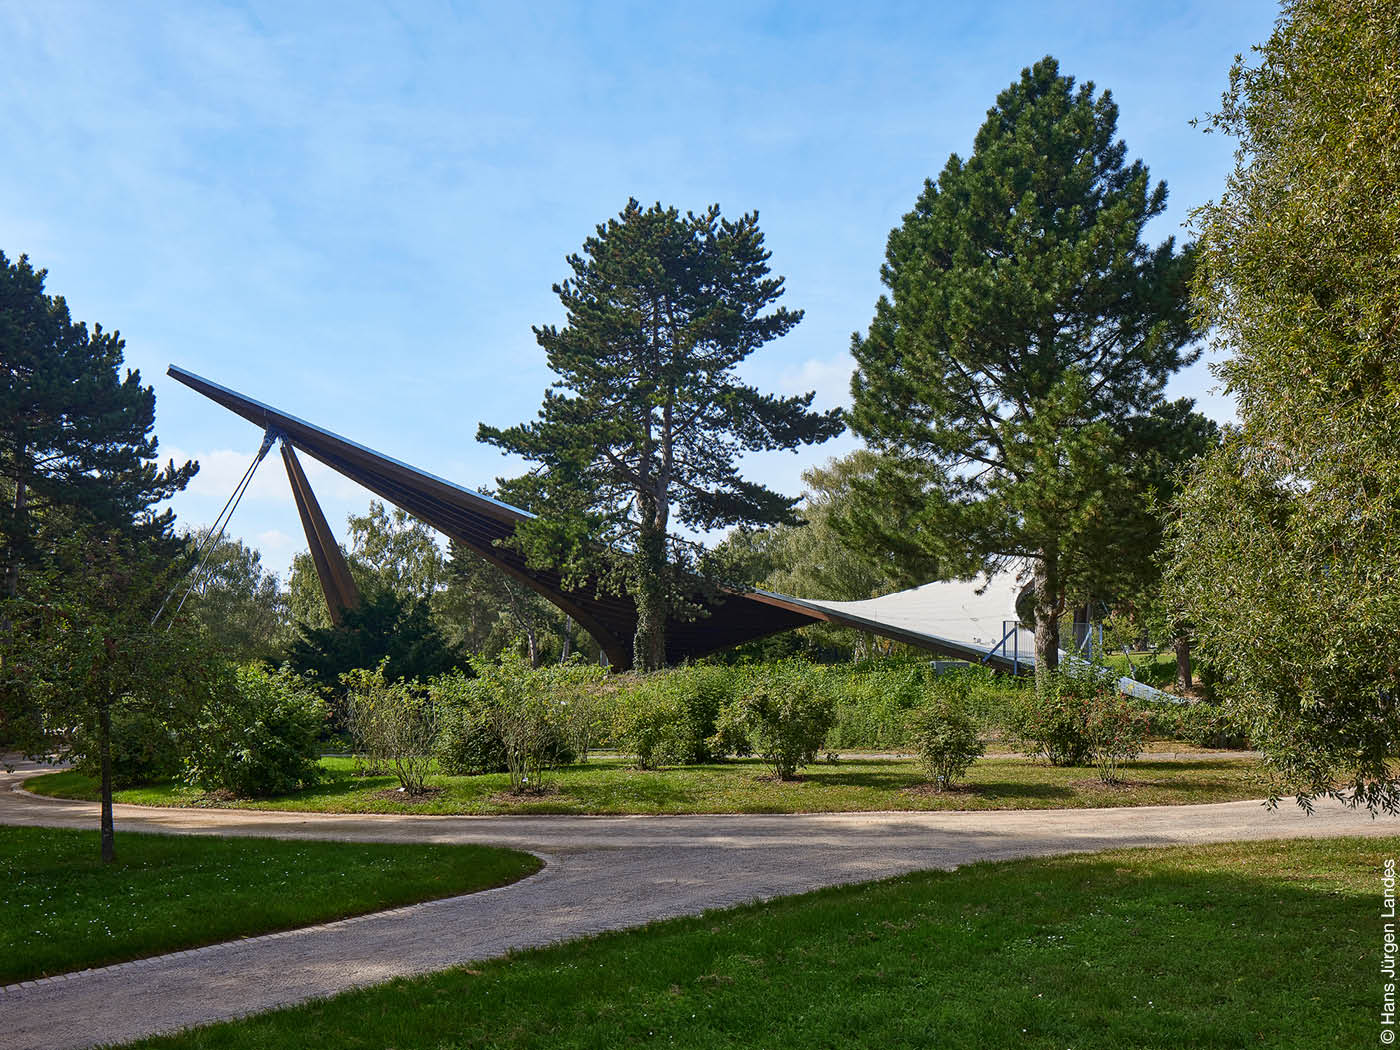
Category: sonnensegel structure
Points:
column 963, row 620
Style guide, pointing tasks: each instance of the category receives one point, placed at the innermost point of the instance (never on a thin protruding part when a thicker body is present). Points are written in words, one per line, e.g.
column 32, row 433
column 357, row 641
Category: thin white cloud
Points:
column 830, row 378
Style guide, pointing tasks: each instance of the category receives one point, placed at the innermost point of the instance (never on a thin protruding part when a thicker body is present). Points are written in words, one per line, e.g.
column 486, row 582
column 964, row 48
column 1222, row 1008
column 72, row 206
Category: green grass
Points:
column 1156, row 669
column 610, row 786
column 61, row 909
column 1263, row 944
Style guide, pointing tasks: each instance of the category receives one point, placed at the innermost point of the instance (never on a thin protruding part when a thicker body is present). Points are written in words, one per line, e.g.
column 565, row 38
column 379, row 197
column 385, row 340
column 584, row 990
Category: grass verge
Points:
column 1203, row 947
column 61, row 909
column 611, row 786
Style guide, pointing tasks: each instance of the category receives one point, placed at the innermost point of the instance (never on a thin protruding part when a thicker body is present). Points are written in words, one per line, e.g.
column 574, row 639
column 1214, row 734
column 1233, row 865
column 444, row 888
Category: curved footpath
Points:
column 602, row 873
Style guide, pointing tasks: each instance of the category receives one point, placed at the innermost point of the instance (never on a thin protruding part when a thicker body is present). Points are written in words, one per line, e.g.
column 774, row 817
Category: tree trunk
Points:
column 1182, row 645
column 568, row 649
column 1047, row 616
column 12, row 555
column 649, row 592
column 104, row 747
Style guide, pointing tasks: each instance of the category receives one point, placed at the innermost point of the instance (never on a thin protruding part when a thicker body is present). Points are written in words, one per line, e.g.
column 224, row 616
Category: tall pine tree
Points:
column 74, row 433
column 647, row 418
column 1027, row 334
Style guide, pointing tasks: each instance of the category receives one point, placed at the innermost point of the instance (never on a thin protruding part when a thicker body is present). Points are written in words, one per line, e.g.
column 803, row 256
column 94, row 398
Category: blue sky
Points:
column 355, row 211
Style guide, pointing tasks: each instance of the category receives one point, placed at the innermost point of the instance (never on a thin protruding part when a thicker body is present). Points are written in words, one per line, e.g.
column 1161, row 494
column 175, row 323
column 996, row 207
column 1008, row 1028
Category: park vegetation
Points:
column 1285, row 547
column 648, row 417
column 1011, row 382
column 1010, row 391
column 1095, row 952
column 63, row 910
column 768, row 736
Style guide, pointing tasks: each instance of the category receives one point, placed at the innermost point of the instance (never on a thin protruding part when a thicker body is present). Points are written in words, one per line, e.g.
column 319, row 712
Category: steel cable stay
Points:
column 216, row 531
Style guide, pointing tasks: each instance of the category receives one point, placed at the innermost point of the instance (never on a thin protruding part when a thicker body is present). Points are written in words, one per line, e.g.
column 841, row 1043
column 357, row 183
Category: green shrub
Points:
column 576, row 690
column 703, row 693
column 731, row 736
column 395, row 722
column 1052, row 720
column 519, row 705
column 143, row 750
column 942, row 735
column 1079, row 717
column 1206, row 725
column 873, row 701
column 1052, row 726
column 467, row 743
column 648, row 720
column 787, row 717
column 257, row 736
column 1117, row 732
column 672, row 717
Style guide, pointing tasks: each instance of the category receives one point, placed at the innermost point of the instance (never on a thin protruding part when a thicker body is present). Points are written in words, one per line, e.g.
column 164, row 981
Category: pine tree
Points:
column 1026, row 331
column 73, row 433
column 647, row 418
column 86, row 558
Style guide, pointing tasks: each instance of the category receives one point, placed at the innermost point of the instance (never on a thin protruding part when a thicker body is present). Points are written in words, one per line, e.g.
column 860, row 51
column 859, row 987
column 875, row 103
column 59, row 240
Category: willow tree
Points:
column 1027, row 333
column 1287, row 547
column 647, row 420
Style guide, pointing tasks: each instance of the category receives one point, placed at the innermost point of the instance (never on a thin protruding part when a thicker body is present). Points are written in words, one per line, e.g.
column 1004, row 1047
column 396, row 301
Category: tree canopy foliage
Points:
column 1287, row 544
column 811, row 558
column 239, row 603
column 87, row 557
column 74, row 433
column 1019, row 358
column 386, row 628
column 648, row 417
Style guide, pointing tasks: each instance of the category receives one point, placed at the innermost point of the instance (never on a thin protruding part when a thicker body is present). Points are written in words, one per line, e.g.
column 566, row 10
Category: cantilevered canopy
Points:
column 966, row 620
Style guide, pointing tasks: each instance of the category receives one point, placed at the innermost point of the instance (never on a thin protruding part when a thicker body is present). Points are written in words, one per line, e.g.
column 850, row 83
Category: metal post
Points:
column 336, row 582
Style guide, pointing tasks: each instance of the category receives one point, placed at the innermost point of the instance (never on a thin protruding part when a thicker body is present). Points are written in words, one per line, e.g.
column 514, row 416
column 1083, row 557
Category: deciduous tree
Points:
column 1287, row 545
column 82, row 648
column 240, row 603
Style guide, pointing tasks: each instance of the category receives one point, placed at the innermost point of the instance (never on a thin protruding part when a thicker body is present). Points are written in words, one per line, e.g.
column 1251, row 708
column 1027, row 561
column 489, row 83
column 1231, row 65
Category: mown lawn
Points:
column 611, row 786
column 61, row 909
column 1262, row 944
column 1156, row 669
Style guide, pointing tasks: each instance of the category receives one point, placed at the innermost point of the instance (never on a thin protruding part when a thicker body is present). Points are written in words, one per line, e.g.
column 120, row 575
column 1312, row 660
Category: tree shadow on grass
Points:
column 1146, row 925
column 879, row 780
column 1012, row 789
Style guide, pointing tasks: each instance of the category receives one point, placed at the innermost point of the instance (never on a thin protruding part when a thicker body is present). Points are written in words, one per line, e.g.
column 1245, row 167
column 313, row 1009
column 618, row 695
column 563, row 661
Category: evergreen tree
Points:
column 86, row 558
column 1026, row 331
column 384, row 626
column 73, row 433
column 647, row 418
column 1287, row 546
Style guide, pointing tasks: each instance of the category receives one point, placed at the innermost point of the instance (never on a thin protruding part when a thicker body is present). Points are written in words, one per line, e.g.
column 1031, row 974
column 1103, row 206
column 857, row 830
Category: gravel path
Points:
column 602, row 873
